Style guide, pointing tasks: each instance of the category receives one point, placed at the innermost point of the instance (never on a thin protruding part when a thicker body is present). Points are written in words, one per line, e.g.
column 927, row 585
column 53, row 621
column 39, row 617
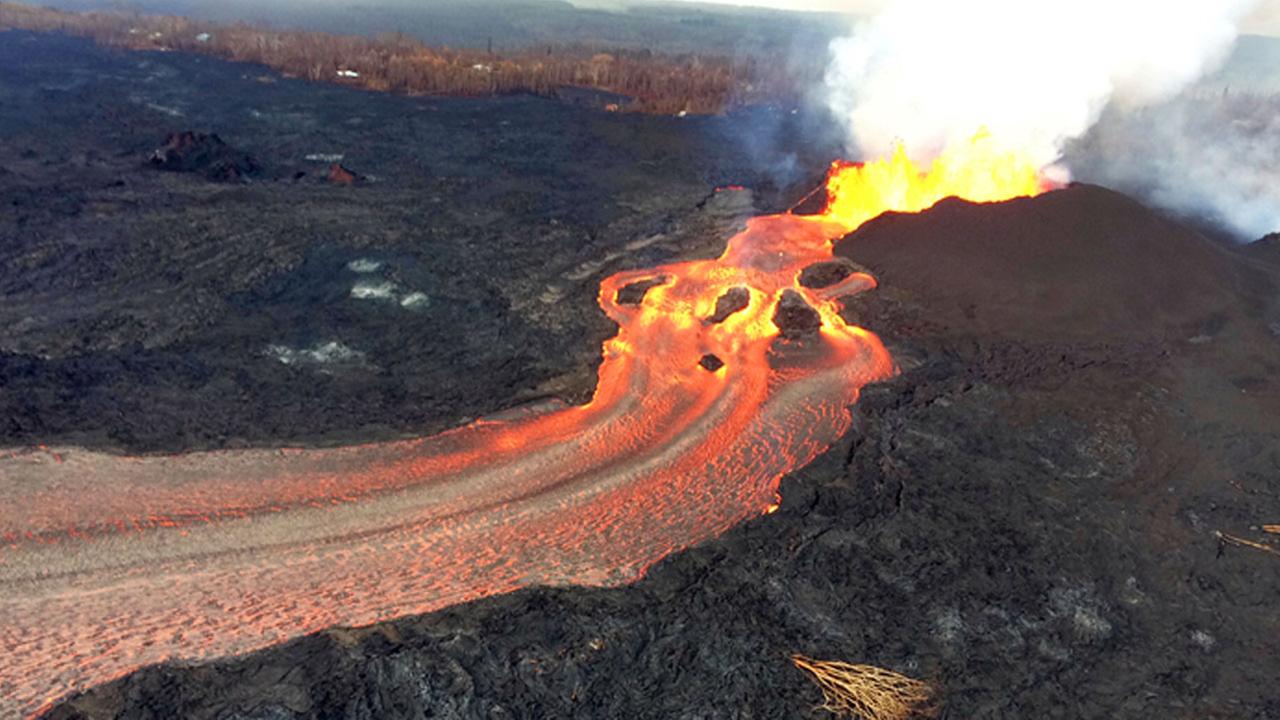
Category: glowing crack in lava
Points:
column 110, row 563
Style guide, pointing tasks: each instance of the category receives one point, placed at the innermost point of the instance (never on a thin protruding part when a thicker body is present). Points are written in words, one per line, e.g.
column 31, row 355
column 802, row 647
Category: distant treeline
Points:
column 654, row 82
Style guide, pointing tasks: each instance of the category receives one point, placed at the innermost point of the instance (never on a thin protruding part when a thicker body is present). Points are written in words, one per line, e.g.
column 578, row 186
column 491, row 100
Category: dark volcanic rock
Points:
column 794, row 317
column 131, row 298
column 733, row 300
column 205, row 154
column 711, row 362
column 826, row 274
column 1266, row 248
column 633, row 293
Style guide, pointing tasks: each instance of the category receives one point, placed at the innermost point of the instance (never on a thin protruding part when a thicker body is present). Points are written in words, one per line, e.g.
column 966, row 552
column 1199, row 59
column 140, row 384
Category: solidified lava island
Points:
column 724, row 375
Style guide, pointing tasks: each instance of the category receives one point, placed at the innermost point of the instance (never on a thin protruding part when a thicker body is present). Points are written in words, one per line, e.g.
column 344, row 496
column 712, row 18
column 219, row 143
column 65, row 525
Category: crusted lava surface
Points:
column 1030, row 515
column 392, row 266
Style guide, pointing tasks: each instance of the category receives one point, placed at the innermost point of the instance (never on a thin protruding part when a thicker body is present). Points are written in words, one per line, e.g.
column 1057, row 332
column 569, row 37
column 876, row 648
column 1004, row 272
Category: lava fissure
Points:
column 724, row 375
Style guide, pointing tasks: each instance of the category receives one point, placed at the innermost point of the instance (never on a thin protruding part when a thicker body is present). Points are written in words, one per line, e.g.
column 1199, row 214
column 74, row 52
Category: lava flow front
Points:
column 110, row 563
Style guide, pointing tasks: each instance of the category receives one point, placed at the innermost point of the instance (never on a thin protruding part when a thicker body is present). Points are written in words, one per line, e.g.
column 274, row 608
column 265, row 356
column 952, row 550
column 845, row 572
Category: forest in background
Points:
column 659, row 25
column 650, row 82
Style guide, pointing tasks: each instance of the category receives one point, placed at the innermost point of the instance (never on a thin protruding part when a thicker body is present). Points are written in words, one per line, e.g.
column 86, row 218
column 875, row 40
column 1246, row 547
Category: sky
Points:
column 1264, row 21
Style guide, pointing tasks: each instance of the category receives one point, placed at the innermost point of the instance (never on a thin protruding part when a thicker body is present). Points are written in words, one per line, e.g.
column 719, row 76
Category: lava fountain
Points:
column 109, row 563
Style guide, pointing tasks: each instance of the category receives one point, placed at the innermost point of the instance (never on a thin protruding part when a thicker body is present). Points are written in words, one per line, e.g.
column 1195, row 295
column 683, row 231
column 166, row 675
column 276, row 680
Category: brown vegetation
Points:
column 393, row 62
column 866, row 691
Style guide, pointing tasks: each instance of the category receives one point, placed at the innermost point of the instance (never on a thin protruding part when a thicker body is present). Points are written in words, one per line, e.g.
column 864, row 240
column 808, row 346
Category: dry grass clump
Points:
column 1224, row 538
column 868, row 692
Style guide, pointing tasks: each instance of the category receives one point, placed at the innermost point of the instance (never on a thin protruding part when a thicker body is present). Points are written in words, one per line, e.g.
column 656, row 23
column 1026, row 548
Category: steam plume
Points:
column 1036, row 73
column 1206, row 154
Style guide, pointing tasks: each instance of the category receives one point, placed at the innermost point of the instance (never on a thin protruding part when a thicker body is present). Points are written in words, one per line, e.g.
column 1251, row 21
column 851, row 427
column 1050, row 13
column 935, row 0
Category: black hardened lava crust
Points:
column 251, row 301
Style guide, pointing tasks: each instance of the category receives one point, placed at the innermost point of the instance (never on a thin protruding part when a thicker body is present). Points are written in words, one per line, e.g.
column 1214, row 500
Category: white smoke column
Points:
column 1035, row 73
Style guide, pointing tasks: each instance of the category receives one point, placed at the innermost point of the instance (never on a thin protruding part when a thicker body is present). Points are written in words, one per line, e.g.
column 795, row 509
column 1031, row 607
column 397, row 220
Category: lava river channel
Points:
column 110, row 563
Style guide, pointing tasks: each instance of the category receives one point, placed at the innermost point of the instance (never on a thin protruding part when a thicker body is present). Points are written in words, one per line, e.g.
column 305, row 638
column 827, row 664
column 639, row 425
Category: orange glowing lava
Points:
column 979, row 171
column 110, row 563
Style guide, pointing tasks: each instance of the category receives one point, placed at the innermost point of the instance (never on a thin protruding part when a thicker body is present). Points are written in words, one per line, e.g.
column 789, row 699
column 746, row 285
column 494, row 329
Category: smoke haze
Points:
column 1038, row 74
column 1209, row 155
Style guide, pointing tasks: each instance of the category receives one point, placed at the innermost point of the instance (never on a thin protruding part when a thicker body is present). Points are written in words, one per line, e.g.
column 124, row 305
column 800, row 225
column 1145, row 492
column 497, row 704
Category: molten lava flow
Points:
column 109, row 563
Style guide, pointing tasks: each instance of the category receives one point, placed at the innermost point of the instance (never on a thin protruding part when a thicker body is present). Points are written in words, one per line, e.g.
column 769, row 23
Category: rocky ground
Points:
column 1030, row 516
column 145, row 274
